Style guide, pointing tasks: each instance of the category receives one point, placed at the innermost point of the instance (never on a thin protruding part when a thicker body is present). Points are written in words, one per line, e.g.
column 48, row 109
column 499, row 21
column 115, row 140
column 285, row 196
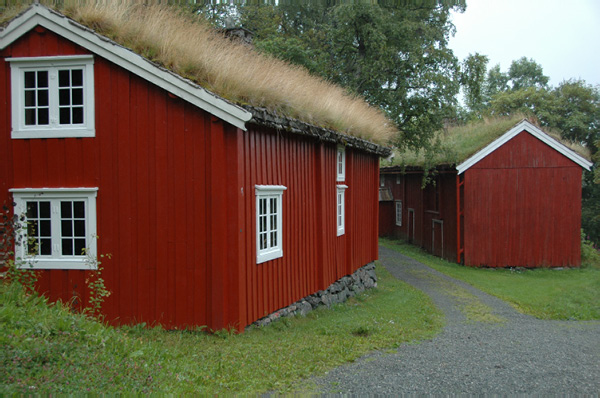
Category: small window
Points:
column 399, row 213
column 58, row 227
column 341, row 163
column 382, row 180
column 269, row 216
column 398, row 179
column 340, row 209
column 52, row 97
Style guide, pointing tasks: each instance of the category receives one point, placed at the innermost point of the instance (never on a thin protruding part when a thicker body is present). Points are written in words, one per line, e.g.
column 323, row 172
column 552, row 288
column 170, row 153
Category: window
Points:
column 269, row 222
column 399, row 213
column 58, row 226
column 382, row 180
column 341, row 163
column 52, row 97
column 398, row 179
column 340, row 211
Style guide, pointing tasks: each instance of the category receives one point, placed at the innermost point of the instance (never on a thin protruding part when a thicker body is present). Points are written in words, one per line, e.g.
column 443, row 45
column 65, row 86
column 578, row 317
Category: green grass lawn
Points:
column 543, row 293
column 46, row 349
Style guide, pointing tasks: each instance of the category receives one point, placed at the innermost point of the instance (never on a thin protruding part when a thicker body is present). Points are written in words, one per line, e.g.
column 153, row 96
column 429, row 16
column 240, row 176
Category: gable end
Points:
column 534, row 131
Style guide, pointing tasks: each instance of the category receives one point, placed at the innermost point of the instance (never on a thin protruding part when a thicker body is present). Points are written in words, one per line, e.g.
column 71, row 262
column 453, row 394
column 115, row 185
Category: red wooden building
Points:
column 214, row 214
column 514, row 203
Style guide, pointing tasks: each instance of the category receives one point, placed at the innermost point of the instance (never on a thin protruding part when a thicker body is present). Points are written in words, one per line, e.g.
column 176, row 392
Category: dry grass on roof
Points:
column 457, row 144
column 190, row 47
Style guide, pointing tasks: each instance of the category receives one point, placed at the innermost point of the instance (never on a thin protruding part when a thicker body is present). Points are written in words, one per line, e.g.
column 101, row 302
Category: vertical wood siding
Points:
column 313, row 255
column 414, row 196
column 176, row 203
column 523, row 207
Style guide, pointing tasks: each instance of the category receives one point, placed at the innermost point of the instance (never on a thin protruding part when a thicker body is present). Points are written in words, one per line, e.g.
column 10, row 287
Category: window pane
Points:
column 44, row 209
column 29, row 98
column 273, row 239
column 63, row 78
column 45, row 229
column 79, row 247
column 64, row 96
column 43, row 117
column 78, row 115
column 42, row 79
column 65, row 115
column 79, row 228
column 65, row 209
column 32, row 209
column 77, row 96
column 67, row 247
column 45, row 247
column 79, row 209
column 42, row 97
column 29, row 79
column 77, row 77
column 29, row 117
column 66, row 229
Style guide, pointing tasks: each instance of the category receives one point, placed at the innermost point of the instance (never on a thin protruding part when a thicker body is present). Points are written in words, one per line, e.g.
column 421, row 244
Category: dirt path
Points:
column 486, row 347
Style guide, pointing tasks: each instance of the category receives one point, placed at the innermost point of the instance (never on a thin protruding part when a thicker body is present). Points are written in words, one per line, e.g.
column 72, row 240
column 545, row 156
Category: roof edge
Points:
column 267, row 118
column 524, row 125
column 106, row 48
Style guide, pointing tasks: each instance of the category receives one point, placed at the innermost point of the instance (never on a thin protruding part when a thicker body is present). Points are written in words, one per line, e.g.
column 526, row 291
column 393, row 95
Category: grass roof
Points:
column 457, row 144
column 189, row 46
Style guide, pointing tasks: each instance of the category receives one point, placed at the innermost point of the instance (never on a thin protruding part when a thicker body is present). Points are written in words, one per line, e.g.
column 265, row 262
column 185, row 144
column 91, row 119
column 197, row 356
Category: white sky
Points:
column 562, row 36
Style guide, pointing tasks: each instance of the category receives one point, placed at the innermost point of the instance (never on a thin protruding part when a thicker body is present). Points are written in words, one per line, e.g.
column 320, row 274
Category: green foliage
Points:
column 590, row 254
column 46, row 349
column 472, row 79
column 544, row 293
column 98, row 291
column 524, row 73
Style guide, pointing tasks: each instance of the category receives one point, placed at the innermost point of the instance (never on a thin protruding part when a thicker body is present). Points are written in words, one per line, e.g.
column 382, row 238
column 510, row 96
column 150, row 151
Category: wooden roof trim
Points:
column 264, row 117
column 135, row 63
column 524, row 125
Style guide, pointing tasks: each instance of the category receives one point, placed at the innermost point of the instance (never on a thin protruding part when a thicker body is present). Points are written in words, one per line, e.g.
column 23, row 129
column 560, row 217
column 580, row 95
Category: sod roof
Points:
column 189, row 47
column 456, row 144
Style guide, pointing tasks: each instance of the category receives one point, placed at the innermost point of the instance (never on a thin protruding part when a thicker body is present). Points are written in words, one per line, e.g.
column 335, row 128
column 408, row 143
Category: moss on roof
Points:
column 456, row 144
column 190, row 47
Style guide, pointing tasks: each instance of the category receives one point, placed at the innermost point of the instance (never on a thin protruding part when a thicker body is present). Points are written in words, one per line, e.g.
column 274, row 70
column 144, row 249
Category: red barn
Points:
column 514, row 203
column 214, row 214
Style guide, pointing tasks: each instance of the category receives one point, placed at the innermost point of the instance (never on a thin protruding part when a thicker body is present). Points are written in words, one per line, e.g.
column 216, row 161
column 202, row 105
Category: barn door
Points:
column 437, row 238
column 411, row 225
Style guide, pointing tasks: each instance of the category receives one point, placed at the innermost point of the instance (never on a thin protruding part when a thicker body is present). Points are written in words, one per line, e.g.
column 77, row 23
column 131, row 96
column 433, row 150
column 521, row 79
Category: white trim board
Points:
column 113, row 52
column 524, row 125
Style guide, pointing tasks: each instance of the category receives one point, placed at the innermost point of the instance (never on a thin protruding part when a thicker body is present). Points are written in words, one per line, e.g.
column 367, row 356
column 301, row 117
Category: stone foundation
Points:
column 338, row 292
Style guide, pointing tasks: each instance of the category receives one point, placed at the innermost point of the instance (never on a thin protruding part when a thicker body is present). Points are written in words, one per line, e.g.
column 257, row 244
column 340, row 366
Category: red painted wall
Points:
column 523, row 207
column 175, row 205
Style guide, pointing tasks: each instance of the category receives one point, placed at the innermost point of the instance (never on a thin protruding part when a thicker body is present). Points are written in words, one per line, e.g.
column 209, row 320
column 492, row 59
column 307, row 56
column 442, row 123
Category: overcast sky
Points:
column 562, row 36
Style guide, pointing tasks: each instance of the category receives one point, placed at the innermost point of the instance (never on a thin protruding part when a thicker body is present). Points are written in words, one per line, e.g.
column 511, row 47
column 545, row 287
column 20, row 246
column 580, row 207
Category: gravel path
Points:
column 486, row 347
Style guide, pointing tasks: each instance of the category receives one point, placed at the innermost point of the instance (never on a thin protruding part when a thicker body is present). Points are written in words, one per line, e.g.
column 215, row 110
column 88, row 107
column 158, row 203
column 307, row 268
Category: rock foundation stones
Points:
column 338, row 292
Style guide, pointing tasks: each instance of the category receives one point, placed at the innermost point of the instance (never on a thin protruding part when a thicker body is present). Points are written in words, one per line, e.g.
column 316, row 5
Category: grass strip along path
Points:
column 565, row 294
column 47, row 349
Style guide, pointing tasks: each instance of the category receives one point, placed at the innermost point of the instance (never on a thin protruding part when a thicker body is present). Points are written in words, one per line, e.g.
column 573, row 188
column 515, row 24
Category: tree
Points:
column 525, row 73
column 496, row 82
column 472, row 80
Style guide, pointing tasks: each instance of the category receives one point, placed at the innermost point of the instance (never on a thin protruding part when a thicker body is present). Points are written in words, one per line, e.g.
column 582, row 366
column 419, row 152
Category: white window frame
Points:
column 52, row 64
column 398, row 207
column 271, row 252
column 56, row 260
column 340, row 209
column 340, row 163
